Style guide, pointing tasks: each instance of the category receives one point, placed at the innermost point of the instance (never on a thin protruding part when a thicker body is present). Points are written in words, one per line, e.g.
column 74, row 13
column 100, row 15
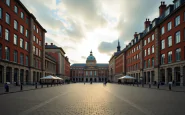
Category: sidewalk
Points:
column 161, row 87
column 14, row 89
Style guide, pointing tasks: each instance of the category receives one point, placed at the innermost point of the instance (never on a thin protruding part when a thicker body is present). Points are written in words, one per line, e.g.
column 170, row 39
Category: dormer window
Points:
column 177, row 4
column 167, row 12
column 148, row 29
column 153, row 24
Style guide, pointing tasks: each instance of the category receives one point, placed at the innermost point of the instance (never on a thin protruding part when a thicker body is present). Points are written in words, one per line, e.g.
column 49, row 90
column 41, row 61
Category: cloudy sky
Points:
column 81, row 25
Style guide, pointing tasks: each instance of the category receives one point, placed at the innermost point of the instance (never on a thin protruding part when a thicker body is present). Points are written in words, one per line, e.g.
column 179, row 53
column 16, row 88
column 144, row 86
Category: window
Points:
column 91, row 73
column 162, row 30
column 39, row 53
column 152, row 62
column 26, row 60
column 86, row 73
column 149, row 40
column 15, row 39
column 15, row 56
column 7, row 34
column 21, row 43
column 167, row 12
column 37, row 41
column 177, row 37
column 34, row 49
column 27, row 20
column 0, row 51
column 169, row 41
column 169, row 26
column 34, row 38
column 177, row 20
column 178, row 54
column 26, row 45
column 26, row 34
column 22, row 15
column 148, row 62
column 22, row 29
column 169, row 56
column 153, row 49
column 144, row 64
column 7, row 53
column 34, row 27
column 15, row 9
column 184, row 15
column 0, row 31
column 7, row 18
column 144, row 42
column 162, row 58
column 145, row 52
column 152, row 37
column 15, row 25
column 1, row 13
column 22, row 59
column 153, row 24
column 148, row 51
column 95, row 73
column 40, row 43
column 37, row 30
column 8, row 2
column 162, row 44
column 177, row 4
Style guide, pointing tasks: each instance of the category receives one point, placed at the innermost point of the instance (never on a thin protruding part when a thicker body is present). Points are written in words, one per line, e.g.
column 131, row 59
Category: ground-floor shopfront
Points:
column 10, row 72
column 89, row 79
column 174, row 72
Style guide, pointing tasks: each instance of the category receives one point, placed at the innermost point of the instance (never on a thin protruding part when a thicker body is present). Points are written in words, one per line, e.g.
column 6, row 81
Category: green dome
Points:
column 91, row 57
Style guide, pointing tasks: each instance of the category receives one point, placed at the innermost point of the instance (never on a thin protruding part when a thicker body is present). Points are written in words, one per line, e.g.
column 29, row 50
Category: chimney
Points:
column 147, row 23
column 135, row 35
column 46, row 44
column 162, row 8
column 51, row 43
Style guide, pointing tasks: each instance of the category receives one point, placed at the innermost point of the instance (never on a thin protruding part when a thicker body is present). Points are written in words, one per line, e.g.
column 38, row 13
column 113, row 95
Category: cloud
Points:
column 84, row 57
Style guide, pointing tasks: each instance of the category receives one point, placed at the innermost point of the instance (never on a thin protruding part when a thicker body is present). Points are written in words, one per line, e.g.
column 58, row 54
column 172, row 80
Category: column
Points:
column 12, row 75
column 173, row 74
column 150, row 77
column 24, row 82
column 30, row 76
column 146, row 77
column 181, row 78
column 18, row 76
column 166, row 76
column 4, row 78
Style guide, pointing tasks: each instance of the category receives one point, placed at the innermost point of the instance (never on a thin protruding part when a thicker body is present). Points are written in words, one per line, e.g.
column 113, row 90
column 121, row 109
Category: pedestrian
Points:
column 6, row 87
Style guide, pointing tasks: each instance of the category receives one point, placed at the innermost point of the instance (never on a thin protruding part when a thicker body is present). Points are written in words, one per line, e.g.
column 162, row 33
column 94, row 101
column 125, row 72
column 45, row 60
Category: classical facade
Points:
column 50, row 65
column 89, row 71
column 22, row 41
column 62, row 63
column 157, row 54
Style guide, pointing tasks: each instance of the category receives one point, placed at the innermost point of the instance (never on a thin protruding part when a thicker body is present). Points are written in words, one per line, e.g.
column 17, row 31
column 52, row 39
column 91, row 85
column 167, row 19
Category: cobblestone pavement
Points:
column 95, row 99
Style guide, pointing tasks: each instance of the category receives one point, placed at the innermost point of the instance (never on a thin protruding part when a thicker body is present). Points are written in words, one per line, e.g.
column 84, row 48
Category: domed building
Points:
column 89, row 71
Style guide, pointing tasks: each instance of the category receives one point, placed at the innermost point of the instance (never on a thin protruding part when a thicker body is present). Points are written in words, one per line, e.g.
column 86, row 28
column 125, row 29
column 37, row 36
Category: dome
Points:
column 91, row 57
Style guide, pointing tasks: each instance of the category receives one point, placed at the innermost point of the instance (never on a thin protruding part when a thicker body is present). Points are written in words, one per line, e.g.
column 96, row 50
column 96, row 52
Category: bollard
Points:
column 47, row 85
column 41, row 85
column 149, row 85
column 21, row 87
column 170, row 87
column 142, row 85
column 35, row 85
column 158, row 85
column 51, row 85
column 137, row 84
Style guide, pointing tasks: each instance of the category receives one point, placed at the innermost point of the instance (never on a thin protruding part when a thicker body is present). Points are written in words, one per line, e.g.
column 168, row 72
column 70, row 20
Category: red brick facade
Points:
column 67, row 67
column 161, row 48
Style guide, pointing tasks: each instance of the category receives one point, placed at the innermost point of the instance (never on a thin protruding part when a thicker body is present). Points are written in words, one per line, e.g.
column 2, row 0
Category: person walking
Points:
column 6, row 87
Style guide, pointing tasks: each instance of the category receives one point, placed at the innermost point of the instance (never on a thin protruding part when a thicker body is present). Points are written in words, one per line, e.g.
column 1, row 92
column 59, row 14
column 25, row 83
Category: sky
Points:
column 79, row 26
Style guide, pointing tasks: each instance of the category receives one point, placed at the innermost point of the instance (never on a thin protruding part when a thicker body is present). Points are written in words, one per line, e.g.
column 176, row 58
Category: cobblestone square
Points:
column 95, row 99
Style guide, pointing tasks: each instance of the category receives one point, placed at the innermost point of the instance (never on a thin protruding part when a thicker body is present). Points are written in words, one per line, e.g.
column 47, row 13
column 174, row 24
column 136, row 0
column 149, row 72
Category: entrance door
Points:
column 94, row 79
column 86, row 79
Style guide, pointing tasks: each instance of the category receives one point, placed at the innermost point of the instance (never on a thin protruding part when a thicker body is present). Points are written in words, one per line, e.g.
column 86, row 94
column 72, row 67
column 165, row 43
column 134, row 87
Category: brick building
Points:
column 89, row 71
column 67, row 67
column 158, row 52
column 22, row 40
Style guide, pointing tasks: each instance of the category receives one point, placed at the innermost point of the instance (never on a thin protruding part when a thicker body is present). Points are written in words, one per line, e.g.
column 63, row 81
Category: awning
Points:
column 52, row 77
column 126, row 77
